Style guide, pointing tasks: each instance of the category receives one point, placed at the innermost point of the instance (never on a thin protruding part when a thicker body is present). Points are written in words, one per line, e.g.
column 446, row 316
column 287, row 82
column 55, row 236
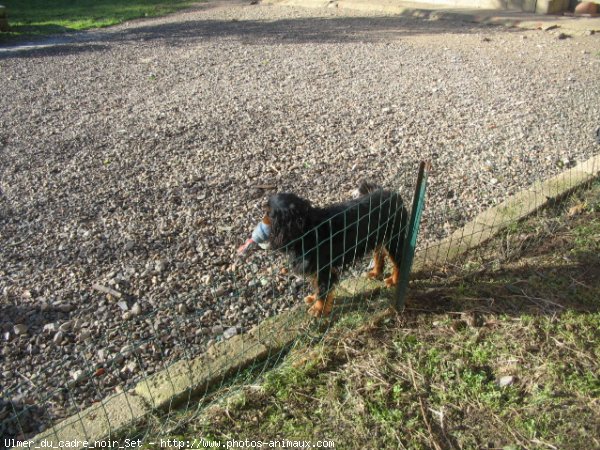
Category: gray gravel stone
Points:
column 102, row 355
column 58, row 337
column 136, row 309
column 77, row 374
column 84, row 335
column 127, row 350
column 20, row 329
column 160, row 266
column 123, row 305
column 66, row 326
column 506, row 380
column 230, row 332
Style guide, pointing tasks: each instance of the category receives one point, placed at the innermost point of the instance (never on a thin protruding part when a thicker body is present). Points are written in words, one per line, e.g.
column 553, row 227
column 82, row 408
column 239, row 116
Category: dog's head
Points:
column 288, row 216
column 365, row 188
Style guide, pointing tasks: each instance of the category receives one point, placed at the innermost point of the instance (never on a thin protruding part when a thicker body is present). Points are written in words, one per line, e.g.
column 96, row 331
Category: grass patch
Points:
column 500, row 350
column 29, row 18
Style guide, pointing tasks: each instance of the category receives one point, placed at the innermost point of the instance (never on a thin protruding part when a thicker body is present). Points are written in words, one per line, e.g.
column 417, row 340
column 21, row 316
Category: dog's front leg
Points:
column 310, row 299
column 322, row 307
column 323, row 303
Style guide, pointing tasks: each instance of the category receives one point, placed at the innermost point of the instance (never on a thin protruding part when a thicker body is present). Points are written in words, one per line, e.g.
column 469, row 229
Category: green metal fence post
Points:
column 412, row 231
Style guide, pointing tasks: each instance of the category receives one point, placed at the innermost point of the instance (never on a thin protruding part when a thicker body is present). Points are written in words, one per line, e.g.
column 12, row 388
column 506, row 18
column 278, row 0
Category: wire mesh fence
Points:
column 146, row 389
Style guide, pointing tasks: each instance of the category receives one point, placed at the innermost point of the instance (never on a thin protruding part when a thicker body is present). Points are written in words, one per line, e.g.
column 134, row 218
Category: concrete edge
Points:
column 187, row 380
column 190, row 379
column 104, row 419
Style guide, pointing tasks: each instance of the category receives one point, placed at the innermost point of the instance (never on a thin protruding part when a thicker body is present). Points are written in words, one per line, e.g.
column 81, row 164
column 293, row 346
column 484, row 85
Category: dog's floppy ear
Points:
column 288, row 215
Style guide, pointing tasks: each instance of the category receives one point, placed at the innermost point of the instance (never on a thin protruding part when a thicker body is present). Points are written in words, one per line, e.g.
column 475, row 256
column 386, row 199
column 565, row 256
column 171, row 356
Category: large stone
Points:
column 20, row 329
column 586, row 8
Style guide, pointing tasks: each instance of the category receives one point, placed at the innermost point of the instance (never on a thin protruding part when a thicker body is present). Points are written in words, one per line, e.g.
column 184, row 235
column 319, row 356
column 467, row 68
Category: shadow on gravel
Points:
column 299, row 31
column 31, row 314
column 49, row 48
column 250, row 32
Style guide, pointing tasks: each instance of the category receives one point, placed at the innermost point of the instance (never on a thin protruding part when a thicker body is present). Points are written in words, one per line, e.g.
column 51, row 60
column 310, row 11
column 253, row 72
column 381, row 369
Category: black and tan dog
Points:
column 323, row 241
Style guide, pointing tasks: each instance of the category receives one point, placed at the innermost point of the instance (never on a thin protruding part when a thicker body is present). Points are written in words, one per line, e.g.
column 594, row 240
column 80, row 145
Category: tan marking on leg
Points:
column 393, row 279
column 379, row 263
column 322, row 308
column 316, row 309
column 328, row 305
column 310, row 299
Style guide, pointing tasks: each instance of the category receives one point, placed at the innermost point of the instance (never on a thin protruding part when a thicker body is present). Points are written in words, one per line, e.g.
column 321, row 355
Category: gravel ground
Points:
column 136, row 159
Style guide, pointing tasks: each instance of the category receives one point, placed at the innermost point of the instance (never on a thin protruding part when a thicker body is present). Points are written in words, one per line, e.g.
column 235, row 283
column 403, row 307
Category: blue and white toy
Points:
column 260, row 238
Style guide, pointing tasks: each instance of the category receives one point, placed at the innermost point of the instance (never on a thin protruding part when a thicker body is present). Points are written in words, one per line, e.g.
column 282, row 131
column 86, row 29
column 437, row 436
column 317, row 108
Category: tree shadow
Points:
column 298, row 30
column 30, row 50
column 534, row 290
column 44, row 29
column 31, row 314
column 320, row 30
column 528, row 290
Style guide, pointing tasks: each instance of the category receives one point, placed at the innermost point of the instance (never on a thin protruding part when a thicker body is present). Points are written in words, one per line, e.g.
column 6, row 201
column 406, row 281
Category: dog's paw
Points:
column 316, row 310
column 321, row 308
column 374, row 275
column 391, row 281
column 310, row 299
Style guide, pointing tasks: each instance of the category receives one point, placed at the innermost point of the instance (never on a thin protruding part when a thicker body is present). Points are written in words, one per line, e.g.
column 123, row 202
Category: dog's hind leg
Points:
column 395, row 246
column 392, row 280
column 322, row 307
column 378, row 264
